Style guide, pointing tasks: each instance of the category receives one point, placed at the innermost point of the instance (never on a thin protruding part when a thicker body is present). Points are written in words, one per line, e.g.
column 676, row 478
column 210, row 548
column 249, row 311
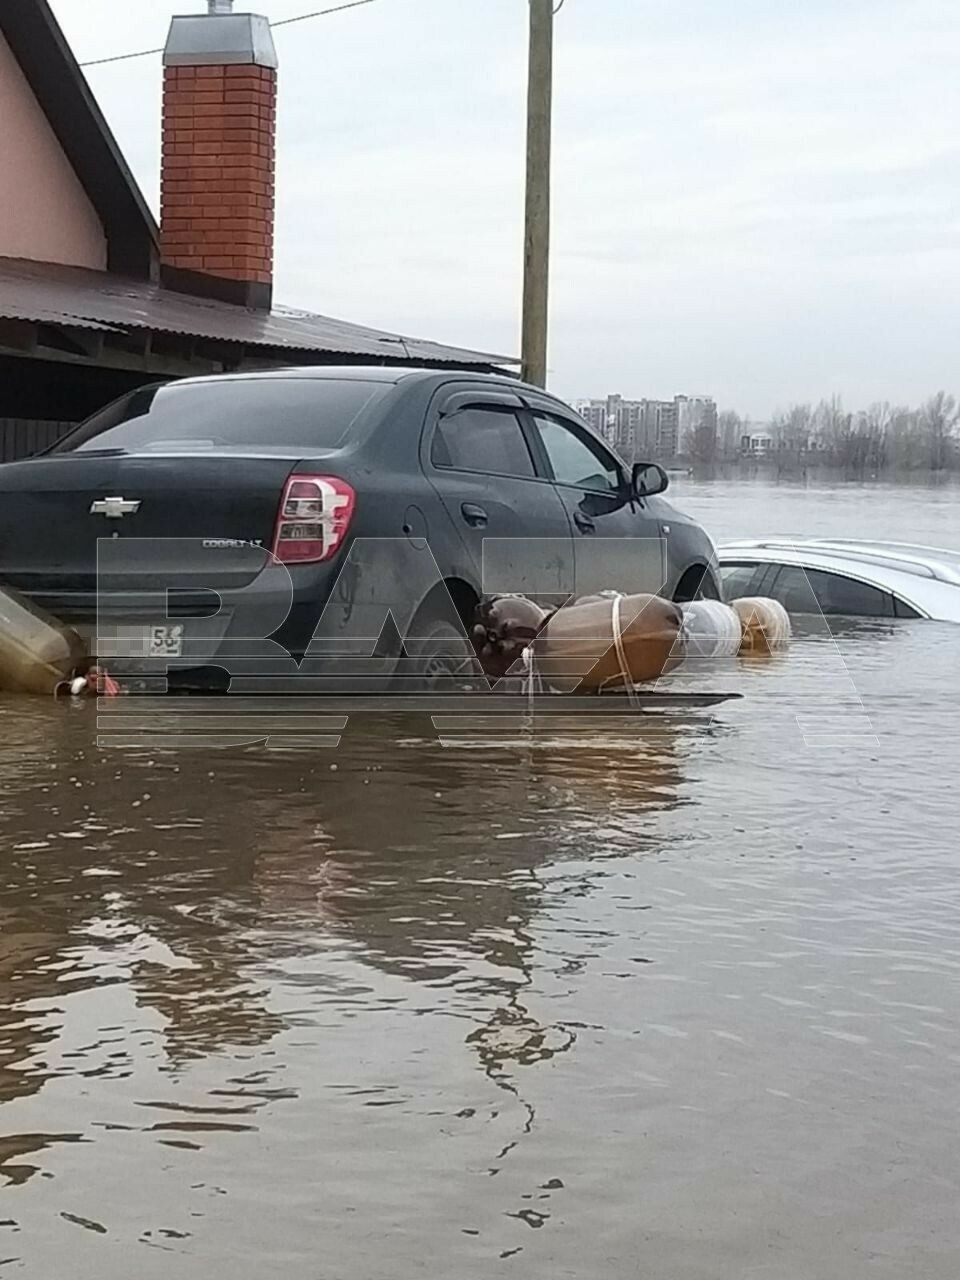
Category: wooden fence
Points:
column 21, row 437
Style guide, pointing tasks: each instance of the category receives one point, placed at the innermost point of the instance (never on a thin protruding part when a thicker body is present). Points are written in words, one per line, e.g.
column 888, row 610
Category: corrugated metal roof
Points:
column 77, row 297
column 10, row 311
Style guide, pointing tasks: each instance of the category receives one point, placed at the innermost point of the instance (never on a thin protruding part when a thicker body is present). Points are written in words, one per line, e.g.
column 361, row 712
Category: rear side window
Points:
column 739, row 580
column 281, row 413
column 904, row 610
column 486, row 440
column 815, row 591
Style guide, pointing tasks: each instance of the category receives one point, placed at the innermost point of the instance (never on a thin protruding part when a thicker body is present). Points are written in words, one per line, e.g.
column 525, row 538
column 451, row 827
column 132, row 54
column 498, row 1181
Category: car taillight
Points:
column 314, row 516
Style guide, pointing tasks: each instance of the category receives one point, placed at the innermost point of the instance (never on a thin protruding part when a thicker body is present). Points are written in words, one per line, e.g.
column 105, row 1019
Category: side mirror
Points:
column 648, row 480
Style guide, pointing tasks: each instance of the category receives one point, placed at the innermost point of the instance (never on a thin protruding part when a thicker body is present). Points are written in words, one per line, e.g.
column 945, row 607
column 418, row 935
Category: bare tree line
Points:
column 881, row 440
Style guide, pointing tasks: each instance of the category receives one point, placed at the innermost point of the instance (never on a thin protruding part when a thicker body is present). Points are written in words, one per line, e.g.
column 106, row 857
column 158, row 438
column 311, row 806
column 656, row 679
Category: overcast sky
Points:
column 757, row 200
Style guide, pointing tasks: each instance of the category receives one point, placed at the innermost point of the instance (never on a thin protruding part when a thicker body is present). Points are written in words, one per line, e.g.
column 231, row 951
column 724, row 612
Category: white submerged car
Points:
column 840, row 577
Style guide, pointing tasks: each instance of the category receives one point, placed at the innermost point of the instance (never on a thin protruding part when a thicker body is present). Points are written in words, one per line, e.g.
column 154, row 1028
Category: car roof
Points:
column 853, row 556
column 360, row 373
column 392, row 376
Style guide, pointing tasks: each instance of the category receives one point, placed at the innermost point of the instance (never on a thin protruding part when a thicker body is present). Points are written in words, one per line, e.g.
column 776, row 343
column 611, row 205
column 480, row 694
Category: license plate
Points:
column 164, row 642
column 121, row 640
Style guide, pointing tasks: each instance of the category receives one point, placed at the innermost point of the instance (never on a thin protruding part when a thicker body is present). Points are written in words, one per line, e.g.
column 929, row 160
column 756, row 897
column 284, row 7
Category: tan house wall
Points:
column 45, row 214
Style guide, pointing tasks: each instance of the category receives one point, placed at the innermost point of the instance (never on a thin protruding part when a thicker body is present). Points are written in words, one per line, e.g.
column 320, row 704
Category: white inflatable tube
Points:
column 710, row 630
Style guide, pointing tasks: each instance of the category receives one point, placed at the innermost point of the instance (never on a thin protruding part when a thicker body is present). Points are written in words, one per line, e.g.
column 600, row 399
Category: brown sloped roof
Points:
column 46, row 293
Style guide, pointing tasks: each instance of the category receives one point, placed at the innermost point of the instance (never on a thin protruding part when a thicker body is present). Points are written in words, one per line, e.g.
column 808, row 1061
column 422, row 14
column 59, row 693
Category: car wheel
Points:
column 439, row 660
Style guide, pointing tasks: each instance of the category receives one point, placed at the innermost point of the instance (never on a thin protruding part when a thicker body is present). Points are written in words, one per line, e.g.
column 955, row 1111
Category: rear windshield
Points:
column 270, row 413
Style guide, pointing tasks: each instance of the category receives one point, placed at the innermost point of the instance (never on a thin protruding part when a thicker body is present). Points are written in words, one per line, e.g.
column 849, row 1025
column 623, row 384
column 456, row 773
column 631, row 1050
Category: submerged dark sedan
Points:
column 350, row 517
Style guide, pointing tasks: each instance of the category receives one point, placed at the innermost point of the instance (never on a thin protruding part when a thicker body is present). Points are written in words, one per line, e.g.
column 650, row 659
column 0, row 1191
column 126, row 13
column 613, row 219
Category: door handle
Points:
column 474, row 515
column 584, row 523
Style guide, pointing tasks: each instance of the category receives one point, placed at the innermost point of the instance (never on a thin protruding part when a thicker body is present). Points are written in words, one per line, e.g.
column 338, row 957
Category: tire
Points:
column 438, row 660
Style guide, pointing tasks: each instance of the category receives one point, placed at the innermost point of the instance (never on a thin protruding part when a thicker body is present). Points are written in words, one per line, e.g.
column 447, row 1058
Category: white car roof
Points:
column 928, row 578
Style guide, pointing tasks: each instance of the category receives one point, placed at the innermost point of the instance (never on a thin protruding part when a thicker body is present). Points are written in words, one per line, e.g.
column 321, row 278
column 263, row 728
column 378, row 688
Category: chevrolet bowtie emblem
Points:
column 114, row 508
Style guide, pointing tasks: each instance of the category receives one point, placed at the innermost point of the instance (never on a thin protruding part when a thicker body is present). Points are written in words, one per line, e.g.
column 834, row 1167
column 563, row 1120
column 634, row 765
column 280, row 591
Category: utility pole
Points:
column 536, row 265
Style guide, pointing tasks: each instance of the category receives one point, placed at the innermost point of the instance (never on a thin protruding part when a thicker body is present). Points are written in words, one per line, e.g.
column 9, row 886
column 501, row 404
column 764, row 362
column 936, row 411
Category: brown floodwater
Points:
column 674, row 997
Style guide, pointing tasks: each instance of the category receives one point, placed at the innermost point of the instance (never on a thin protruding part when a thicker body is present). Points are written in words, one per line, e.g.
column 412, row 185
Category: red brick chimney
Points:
column 219, row 156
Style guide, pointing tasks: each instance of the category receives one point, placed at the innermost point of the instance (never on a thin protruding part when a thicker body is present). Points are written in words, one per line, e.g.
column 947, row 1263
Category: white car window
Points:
column 739, row 579
column 817, row 591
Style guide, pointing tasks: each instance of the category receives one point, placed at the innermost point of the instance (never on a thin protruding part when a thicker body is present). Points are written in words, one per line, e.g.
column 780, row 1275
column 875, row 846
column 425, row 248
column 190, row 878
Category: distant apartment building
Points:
column 660, row 436
column 615, row 419
column 648, row 429
column 597, row 414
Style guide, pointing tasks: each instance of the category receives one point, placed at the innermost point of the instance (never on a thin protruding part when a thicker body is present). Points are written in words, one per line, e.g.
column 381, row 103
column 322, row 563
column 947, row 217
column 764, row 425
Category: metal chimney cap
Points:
column 232, row 39
column 219, row 6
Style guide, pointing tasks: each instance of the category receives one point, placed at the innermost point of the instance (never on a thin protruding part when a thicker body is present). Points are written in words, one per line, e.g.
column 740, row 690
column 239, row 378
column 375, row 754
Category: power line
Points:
column 120, row 57
column 286, row 22
column 321, row 13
